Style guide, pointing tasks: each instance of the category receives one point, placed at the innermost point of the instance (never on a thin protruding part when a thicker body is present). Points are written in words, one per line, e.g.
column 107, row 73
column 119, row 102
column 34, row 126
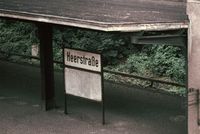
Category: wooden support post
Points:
column 46, row 64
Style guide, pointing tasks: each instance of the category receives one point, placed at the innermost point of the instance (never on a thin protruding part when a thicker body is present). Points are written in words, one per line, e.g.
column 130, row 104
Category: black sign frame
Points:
column 91, row 71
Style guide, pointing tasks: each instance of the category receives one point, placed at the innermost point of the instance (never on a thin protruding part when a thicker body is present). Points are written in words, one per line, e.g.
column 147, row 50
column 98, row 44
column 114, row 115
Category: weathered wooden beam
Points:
column 46, row 64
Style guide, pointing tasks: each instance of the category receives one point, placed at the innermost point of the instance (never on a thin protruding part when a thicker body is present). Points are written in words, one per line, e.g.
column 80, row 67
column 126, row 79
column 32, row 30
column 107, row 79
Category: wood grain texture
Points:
column 96, row 14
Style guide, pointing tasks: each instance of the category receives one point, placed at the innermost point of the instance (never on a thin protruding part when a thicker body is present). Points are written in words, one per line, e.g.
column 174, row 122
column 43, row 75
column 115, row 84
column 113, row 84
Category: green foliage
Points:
column 138, row 63
column 16, row 37
column 159, row 61
column 168, row 61
column 112, row 46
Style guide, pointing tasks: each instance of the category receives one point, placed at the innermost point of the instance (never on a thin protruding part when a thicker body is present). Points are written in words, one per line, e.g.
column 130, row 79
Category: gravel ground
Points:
column 129, row 110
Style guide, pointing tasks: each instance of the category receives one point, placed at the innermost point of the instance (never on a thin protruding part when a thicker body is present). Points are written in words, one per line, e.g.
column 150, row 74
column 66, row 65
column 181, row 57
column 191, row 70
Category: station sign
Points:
column 83, row 77
column 82, row 59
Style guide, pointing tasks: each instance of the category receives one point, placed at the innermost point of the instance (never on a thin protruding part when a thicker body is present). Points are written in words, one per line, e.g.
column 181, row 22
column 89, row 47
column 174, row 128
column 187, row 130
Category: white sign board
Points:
column 83, row 84
column 82, row 59
column 79, row 81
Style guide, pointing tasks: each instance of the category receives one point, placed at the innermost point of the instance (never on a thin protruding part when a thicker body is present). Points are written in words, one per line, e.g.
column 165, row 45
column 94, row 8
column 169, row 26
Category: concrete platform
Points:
column 129, row 110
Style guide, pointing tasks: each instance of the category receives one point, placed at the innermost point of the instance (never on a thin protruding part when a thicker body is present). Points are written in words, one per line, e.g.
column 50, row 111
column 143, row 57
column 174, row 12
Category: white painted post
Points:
column 34, row 52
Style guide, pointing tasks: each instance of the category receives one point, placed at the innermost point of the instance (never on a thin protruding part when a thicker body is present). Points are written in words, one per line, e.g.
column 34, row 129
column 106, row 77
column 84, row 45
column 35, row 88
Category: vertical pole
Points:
column 103, row 98
column 63, row 53
column 66, row 111
column 198, row 107
column 198, row 114
column 103, row 106
column 46, row 65
column 185, row 42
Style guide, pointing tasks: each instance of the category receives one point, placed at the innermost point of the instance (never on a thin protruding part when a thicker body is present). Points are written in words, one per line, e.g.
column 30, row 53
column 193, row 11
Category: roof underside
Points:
column 104, row 15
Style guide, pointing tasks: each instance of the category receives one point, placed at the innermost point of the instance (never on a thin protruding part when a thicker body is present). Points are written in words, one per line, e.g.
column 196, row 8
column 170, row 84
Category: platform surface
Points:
column 128, row 109
column 104, row 15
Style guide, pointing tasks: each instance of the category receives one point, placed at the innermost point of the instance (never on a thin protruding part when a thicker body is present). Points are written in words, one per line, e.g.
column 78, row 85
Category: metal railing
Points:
column 152, row 80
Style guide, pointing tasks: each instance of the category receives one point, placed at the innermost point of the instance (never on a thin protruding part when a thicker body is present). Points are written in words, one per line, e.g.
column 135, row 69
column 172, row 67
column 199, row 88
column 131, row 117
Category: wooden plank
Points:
column 105, row 15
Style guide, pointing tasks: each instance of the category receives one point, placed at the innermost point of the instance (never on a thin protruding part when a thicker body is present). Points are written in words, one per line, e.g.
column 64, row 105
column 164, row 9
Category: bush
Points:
column 168, row 61
column 156, row 61
column 113, row 47
column 151, row 60
column 17, row 37
column 139, row 63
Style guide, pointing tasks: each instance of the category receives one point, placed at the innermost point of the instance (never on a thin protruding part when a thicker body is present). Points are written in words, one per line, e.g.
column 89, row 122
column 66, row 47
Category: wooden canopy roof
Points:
column 104, row 15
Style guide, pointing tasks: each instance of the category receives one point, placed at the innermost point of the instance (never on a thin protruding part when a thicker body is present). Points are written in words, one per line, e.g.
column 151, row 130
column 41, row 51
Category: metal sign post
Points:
column 83, row 76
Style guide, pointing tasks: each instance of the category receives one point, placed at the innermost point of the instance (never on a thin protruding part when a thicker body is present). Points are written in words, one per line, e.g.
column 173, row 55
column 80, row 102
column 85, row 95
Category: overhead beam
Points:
column 173, row 40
